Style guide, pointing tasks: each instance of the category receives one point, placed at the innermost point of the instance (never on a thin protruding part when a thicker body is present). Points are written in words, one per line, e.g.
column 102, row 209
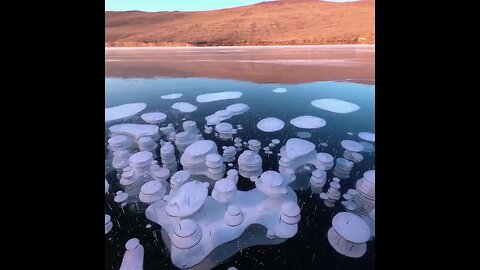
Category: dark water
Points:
column 309, row 248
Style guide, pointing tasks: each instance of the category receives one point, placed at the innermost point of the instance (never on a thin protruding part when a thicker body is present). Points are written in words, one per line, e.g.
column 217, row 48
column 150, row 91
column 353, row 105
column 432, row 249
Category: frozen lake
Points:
column 332, row 74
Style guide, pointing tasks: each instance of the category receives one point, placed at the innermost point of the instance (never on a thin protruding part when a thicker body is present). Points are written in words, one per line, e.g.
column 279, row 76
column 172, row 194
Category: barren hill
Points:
column 287, row 22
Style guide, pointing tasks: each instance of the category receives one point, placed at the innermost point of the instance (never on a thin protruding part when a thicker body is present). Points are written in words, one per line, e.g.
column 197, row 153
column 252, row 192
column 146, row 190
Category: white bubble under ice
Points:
column 335, row 105
column 184, row 107
column 210, row 97
column 367, row 136
column 123, row 111
column 279, row 90
column 308, row 122
column 153, row 117
column 270, row 124
column 172, row 96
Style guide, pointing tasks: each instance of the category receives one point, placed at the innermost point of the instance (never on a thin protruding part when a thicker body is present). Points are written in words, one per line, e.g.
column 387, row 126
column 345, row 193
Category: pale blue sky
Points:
column 171, row 5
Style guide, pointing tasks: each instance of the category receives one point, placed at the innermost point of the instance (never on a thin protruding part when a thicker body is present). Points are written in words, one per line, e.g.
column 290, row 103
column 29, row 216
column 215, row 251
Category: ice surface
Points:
column 279, row 90
column 210, row 97
column 123, row 111
column 172, row 96
column 270, row 124
column 184, row 107
column 308, row 122
column 335, row 105
column 367, row 136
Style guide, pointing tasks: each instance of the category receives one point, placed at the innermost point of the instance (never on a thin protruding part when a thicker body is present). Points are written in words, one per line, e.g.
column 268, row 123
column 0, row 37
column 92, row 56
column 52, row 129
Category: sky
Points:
column 172, row 5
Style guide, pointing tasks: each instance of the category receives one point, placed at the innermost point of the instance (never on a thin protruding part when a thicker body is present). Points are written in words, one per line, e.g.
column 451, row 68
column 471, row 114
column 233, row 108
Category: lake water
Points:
column 308, row 73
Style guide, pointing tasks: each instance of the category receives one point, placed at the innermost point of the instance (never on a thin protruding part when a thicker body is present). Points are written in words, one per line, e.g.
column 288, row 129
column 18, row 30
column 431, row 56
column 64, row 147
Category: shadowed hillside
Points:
column 288, row 22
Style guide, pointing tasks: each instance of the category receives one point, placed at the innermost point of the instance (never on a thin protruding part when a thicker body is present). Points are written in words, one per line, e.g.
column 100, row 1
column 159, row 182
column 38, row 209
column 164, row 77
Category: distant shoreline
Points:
column 240, row 46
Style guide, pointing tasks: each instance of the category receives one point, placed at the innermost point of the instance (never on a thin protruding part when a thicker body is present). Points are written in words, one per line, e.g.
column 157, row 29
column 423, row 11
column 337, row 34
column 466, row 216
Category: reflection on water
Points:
column 295, row 64
column 309, row 73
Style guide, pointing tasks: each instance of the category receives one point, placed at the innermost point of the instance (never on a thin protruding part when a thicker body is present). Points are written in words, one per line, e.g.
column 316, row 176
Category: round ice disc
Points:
column 225, row 185
column 308, row 122
column 132, row 244
column 370, row 176
column 107, row 219
column 151, row 187
column 323, row 196
column 352, row 145
column 324, row 157
column 233, row 210
column 270, row 124
column 141, row 158
column 367, row 136
column 118, row 140
column 224, row 127
column 255, row 143
column 335, row 185
column 352, row 192
column 223, row 113
column 120, row 197
column 290, row 209
column 351, row 227
column 232, row 172
column 271, row 178
column 185, row 228
column 213, row 158
column 154, row 117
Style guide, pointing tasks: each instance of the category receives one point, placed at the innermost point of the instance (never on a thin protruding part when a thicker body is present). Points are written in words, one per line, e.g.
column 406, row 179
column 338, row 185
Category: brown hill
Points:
column 287, row 22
